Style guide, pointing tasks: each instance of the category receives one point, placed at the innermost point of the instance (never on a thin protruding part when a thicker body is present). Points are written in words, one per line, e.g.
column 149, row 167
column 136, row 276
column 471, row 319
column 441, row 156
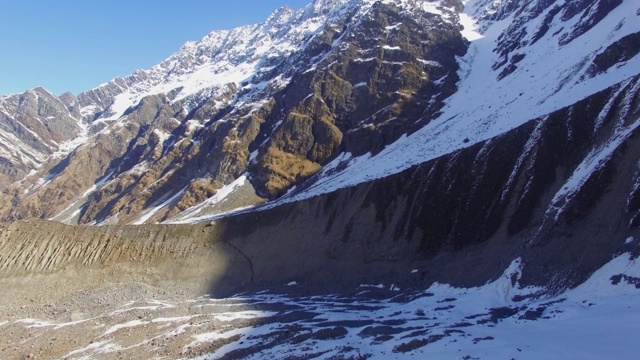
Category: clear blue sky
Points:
column 75, row 45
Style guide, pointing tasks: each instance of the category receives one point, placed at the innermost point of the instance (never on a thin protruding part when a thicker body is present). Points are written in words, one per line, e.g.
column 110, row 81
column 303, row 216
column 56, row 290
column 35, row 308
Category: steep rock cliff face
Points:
column 380, row 78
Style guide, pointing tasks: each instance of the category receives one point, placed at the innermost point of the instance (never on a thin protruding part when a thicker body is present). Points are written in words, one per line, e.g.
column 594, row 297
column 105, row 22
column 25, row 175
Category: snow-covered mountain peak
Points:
column 231, row 56
column 221, row 57
column 34, row 125
column 229, row 75
column 280, row 15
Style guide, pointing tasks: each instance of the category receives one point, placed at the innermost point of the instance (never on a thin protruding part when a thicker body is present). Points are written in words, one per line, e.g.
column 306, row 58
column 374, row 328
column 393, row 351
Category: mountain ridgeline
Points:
column 454, row 132
column 356, row 83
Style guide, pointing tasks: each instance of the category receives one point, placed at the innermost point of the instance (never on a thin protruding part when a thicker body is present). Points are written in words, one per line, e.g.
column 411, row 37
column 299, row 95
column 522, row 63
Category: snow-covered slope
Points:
column 525, row 61
column 498, row 320
column 251, row 59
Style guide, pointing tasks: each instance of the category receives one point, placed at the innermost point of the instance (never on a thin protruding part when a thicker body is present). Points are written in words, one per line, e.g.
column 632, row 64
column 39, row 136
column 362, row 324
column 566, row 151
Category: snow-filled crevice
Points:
column 590, row 166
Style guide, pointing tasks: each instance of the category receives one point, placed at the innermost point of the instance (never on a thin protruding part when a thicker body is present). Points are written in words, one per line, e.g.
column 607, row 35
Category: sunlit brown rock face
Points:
column 356, row 86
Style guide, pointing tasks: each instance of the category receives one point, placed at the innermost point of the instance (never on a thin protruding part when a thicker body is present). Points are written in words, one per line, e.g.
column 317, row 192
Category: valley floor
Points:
column 501, row 320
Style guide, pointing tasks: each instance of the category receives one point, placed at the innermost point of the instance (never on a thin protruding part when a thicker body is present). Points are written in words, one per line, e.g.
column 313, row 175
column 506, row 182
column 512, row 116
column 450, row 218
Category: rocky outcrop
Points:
column 620, row 51
column 33, row 125
column 371, row 89
column 98, row 100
